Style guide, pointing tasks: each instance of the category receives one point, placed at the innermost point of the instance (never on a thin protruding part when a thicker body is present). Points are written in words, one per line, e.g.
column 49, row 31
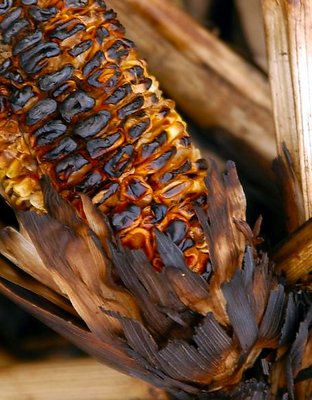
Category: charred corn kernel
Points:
column 87, row 113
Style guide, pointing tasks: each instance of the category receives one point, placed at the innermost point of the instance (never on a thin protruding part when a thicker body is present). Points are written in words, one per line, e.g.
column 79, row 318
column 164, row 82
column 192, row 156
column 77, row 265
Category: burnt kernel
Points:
column 26, row 42
column 131, row 107
column 76, row 3
column 10, row 18
column 187, row 244
column 109, row 15
column 98, row 147
column 29, row 2
column 14, row 76
column 61, row 90
column 135, row 188
column 49, row 81
column 65, row 147
column 137, row 72
column 149, row 148
column 20, row 97
column 101, row 34
column 30, row 60
column 162, row 160
column 76, row 103
column 69, row 165
column 126, row 218
column 119, row 162
column 119, row 94
column 185, row 141
column 80, row 48
column 118, row 50
column 137, row 130
column 92, row 180
column 95, row 62
column 92, row 125
column 202, row 164
column 160, row 211
column 40, row 110
column 112, row 189
column 166, row 177
column 177, row 230
column 14, row 29
column 105, row 77
column 42, row 14
column 67, row 29
column 5, row 66
column 3, row 102
column 201, row 200
column 172, row 174
column 49, row 132
column 5, row 5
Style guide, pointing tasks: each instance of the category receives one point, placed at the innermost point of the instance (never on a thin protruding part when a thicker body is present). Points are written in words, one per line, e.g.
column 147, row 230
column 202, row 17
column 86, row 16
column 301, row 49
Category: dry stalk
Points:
column 294, row 257
column 210, row 83
column 288, row 27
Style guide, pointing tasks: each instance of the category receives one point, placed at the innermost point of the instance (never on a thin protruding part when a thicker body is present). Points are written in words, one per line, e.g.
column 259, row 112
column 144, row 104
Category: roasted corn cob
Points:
column 85, row 112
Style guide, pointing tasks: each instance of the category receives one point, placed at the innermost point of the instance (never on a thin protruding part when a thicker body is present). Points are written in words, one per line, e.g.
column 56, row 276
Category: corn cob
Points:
column 86, row 113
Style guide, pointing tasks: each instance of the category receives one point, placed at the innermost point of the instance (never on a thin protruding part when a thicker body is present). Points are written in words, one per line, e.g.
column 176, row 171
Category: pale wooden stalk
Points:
column 77, row 379
column 294, row 257
column 252, row 22
column 209, row 82
column 198, row 9
column 288, row 25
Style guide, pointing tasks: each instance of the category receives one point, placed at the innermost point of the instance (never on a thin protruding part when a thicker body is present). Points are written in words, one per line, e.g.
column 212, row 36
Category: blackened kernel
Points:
column 101, row 34
column 177, row 230
column 61, row 90
column 166, row 177
column 49, row 82
column 31, row 60
column 137, row 130
column 150, row 148
column 136, row 188
column 76, row 103
column 27, row 41
column 29, row 2
column 76, row 3
column 40, row 110
column 126, row 218
column 65, row 147
column 67, row 29
column 118, row 50
column 202, row 164
column 41, row 14
column 95, row 62
column 14, row 76
column 185, row 141
column 14, row 30
column 69, row 165
column 119, row 94
column 110, row 191
column 131, row 107
column 137, row 72
column 49, row 132
column 160, row 211
column 20, row 97
column 5, row 5
column 93, row 125
column 92, row 180
column 201, row 200
column 109, row 15
column 5, row 65
column 97, row 147
column 10, row 18
column 162, row 160
column 80, row 48
column 118, row 163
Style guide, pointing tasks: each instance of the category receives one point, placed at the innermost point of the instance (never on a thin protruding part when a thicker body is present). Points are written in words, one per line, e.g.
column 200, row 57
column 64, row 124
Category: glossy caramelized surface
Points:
column 78, row 105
